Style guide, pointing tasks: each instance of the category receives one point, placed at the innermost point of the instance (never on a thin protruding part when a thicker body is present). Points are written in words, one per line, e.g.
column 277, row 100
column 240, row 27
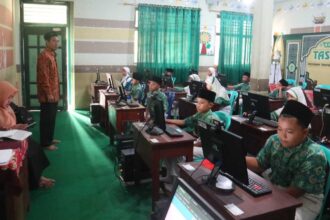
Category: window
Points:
column 47, row 14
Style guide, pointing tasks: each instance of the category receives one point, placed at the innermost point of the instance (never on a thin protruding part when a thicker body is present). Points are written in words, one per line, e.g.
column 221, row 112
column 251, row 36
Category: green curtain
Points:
column 235, row 45
column 168, row 38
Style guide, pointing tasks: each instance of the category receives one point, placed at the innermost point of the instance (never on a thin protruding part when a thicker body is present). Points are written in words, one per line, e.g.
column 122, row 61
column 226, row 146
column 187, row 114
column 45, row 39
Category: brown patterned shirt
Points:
column 47, row 77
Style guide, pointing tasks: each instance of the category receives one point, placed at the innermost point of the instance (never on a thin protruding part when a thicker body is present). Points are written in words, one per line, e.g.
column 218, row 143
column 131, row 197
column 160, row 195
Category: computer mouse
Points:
column 224, row 184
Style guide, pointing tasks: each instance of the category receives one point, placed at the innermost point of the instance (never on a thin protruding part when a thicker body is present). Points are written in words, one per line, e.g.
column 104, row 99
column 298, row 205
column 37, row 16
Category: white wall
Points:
column 298, row 17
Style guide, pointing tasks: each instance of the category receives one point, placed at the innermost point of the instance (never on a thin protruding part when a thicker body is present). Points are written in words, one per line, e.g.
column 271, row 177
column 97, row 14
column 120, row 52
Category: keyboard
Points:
column 270, row 123
column 254, row 188
column 173, row 132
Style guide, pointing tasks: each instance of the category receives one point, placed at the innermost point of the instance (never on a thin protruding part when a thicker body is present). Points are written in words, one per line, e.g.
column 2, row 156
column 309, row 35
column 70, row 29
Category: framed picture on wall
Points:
column 207, row 40
column 292, row 59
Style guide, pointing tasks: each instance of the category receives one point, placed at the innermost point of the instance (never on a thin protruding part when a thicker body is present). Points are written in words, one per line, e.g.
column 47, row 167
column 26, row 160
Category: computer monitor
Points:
column 246, row 102
column 122, row 93
column 321, row 97
column 226, row 151
column 187, row 204
column 259, row 105
column 195, row 87
column 167, row 81
column 109, row 81
column 157, row 114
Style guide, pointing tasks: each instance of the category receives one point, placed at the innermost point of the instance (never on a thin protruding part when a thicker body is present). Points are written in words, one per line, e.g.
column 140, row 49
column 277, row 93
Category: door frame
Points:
column 67, row 63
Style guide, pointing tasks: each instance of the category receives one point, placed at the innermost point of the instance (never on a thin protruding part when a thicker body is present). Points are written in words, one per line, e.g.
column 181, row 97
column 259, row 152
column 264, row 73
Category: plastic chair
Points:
column 224, row 117
column 233, row 96
column 291, row 82
column 304, row 85
column 327, row 185
column 323, row 86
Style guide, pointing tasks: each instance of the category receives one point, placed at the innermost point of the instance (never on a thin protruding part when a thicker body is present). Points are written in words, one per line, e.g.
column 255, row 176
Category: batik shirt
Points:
column 301, row 167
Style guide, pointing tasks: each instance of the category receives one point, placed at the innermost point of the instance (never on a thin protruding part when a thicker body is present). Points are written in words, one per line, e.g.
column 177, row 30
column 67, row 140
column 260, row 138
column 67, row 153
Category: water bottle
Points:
column 128, row 99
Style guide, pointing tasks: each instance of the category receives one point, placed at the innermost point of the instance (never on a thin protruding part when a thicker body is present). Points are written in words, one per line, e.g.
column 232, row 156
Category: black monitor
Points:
column 195, row 87
column 167, row 81
column 259, row 105
column 157, row 115
column 225, row 150
column 321, row 97
column 122, row 94
column 187, row 204
column 109, row 81
column 246, row 107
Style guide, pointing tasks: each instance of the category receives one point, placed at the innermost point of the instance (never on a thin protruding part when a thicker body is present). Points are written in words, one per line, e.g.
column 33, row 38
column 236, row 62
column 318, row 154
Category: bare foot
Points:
column 46, row 182
column 51, row 147
column 55, row 141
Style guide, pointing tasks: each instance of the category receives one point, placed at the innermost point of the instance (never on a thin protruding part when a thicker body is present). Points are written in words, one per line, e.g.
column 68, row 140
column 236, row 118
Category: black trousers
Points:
column 47, row 123
column 37, row 162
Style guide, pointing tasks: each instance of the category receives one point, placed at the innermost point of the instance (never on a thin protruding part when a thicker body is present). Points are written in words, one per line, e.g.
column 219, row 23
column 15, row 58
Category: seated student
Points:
column 155, row 93
column 126, row 80
column 137, row 91
column 37, row 160
column 244, row 86
column 296, row 163
column 204, row 105
column 280, row 90
column 213, row 84
column 295, row 93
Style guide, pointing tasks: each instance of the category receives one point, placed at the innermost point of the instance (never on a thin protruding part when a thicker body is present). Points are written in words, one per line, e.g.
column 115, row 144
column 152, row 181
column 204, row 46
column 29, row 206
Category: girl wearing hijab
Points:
column 295, row 93
column 37, row 160
column 126, row 80
column 213, row 84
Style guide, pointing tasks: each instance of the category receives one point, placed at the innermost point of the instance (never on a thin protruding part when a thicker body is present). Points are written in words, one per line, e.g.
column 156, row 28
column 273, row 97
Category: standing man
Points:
column 48, row 90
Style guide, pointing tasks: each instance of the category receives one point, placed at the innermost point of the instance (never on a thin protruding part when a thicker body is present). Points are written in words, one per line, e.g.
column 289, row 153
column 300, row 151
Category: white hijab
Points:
column 126, row 78
column 298, row 95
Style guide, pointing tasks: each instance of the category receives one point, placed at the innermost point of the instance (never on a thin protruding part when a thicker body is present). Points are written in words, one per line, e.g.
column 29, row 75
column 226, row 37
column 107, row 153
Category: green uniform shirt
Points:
column 157, row 95
column 301, row 167
column 136, row 92
column 191, row 122
column 244, row 87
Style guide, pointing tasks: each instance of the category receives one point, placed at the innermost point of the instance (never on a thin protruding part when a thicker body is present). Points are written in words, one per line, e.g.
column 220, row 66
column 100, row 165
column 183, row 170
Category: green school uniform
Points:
column 301, row 167
column 191, row 122
column 244, row 87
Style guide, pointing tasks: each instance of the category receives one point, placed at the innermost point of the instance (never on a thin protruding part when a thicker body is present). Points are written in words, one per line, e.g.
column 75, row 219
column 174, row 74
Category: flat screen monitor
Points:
column 167, row 82
column 259, row 105
column 110, row 81
column 225, row 149
column 187, row 204
column 195, row 87
column 246, row 102
column 122, row 93
column 157, row 114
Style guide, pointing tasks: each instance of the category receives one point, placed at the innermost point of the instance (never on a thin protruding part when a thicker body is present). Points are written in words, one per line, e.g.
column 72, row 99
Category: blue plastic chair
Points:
column 304, row 85
column 232, row 100
column 224, row 117
column 291, row 82
column 323, row 86
column 327, row 185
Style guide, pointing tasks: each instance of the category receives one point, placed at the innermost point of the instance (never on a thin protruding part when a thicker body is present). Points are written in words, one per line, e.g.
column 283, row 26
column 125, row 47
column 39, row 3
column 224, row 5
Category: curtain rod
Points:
column 172, row 6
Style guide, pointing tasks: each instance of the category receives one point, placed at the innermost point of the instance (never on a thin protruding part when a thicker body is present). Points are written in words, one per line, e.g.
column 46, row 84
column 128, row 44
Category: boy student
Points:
column 280, row 90
column 205, row 100
column 137, row 91
column 155, row 93
column 296, row 163
column 244, row 86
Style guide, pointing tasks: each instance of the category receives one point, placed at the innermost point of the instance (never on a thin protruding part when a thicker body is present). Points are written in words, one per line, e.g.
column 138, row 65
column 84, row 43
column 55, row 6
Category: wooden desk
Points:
column 151, row 153
column 275, row 104
column 179, row 95
column 120, row 116
column 254, row 136
column 277, row 205
column 95, row 91
column 188, row 108
column 104, row 98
